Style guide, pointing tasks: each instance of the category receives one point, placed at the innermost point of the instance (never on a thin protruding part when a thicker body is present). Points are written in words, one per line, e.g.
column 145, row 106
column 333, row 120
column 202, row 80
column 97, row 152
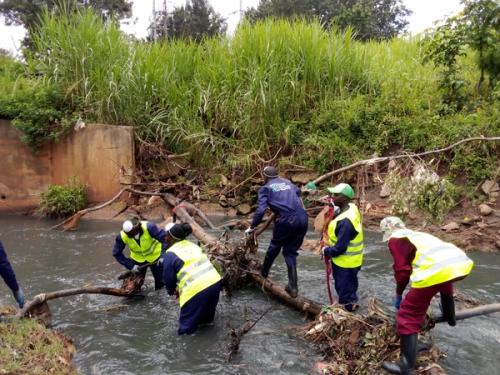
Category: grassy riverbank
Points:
column 319, row 98
column 27, row 347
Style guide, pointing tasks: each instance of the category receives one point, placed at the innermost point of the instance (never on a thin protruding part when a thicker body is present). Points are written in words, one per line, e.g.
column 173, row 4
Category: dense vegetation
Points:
column 319, row 97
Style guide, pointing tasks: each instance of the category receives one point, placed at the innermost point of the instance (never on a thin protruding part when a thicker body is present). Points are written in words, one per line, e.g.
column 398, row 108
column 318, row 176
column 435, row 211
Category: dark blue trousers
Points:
column 288, row 233
column 157, row 271
column 200, row 309
column 346, row 285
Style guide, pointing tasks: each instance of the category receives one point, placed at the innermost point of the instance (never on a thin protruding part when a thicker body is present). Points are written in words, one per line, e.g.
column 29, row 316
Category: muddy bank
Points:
column 465, row 225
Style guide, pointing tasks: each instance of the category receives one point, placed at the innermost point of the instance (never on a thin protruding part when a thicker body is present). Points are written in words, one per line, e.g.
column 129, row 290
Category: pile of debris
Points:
column 358, row 344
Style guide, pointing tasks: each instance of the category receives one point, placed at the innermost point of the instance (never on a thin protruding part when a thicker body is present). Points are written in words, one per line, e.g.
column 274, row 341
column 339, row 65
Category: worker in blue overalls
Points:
column 9, row 277
column 290, row 226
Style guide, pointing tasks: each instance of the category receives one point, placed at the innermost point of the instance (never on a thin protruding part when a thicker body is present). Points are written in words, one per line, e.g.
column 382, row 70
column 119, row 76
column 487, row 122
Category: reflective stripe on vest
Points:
column 353, row 257
column 147, row 250
column 435, row 261
column 197, row 273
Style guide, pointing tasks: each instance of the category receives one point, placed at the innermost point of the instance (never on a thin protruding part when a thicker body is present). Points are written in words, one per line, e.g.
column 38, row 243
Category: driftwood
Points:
column 237, row 334
column 299, row 303
column 129, row 273
column 72, row 222
column 44, row 297
column 395, row 157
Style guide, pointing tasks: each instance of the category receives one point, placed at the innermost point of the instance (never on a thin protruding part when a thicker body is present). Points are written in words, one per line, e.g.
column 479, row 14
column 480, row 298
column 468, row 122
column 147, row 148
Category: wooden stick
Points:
column 395, row 157
column 42, row 298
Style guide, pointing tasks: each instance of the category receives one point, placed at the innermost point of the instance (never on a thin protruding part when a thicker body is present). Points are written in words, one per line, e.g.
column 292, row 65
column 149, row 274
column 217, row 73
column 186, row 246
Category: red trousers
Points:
column 411, row 314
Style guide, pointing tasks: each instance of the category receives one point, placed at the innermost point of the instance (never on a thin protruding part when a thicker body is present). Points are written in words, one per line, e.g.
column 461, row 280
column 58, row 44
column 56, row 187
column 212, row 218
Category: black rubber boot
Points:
column 266, row 266
column 408, row 357
column 292, row 288
column 448, row 309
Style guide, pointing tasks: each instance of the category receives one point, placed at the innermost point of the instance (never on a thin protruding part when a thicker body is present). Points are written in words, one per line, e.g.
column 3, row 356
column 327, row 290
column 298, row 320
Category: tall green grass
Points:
column 319, row 96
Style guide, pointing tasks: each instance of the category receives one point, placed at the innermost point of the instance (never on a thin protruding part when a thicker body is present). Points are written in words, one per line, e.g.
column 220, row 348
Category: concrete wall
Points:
column 99, row 155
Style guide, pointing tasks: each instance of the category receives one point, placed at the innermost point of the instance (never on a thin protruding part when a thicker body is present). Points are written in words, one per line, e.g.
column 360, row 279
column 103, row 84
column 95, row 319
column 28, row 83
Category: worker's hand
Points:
column 160, row 261
column 19, row 296
column 249, row 231
column 396, row 301
column 135, row 269
column 323, row 252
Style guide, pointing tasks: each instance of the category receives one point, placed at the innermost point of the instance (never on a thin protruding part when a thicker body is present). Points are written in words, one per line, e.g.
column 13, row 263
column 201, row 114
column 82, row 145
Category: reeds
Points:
column 272, row 85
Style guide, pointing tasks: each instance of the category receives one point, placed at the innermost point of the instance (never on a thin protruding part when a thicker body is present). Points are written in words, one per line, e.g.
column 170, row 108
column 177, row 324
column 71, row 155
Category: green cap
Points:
column 311, row 186
column 344, row 189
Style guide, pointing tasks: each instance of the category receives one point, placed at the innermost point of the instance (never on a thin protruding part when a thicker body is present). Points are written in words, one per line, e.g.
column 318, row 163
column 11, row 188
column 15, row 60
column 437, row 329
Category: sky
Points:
column 425, row 13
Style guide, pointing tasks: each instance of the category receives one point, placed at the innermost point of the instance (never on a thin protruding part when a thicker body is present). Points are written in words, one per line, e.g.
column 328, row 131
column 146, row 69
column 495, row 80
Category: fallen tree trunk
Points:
column 245, row 261
column 72, row 222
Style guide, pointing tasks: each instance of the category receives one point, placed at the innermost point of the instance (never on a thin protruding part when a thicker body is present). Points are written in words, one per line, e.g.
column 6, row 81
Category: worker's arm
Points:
column 158, row 234
column 118, row 254
column 261, row 206
column 7, row 272
column 172, row 264
column 345, row 232
column 403, row 253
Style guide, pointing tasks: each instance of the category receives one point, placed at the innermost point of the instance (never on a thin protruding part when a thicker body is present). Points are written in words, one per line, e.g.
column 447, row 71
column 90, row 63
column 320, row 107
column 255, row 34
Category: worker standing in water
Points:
column 146, row 242
column 344, row 245
column 432, row 266
column 9, row 277
column 188, row 273
column 290, row 226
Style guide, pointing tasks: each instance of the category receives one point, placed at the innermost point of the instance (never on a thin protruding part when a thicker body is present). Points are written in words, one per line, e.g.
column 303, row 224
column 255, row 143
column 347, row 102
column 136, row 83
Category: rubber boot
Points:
column 266, row 266
column 448, row 309
column 408, row 357
column 292, row 288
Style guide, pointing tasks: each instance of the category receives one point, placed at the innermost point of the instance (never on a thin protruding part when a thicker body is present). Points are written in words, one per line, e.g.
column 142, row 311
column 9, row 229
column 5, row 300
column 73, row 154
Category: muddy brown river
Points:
column 119, row 336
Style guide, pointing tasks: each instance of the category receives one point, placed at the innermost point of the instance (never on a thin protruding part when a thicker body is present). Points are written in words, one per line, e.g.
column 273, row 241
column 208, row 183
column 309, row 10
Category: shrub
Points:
column 60, row 201
column 424, row 191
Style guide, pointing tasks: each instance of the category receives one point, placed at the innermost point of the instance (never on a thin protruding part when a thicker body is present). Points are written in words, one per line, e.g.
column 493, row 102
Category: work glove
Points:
column 135, row 269
column 323, row 252
column 19, row 296
column 396, row 301
column 160, row 261
column 249, row 231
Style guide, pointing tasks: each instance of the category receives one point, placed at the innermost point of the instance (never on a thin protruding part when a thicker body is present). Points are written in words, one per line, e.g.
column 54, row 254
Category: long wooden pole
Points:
column 472, row 312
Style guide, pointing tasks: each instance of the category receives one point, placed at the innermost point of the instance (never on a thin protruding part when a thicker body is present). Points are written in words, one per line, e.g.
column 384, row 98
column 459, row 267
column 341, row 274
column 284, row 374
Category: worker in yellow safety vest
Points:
column 344, row 245
column 146, row 242
column 188, row 273
column 432, row 266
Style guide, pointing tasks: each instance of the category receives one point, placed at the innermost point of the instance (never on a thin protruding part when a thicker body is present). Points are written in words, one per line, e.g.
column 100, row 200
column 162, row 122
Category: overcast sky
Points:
column 425, row 13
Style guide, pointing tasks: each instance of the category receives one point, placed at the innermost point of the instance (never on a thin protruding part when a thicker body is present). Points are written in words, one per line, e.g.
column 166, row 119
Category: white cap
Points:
column 127, row 226
column 169, row 226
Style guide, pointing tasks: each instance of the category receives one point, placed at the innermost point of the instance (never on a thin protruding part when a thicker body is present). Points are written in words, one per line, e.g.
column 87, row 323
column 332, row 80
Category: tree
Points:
column 477, row 28
column 195, row 20
column 27, row 12
column 370, row 19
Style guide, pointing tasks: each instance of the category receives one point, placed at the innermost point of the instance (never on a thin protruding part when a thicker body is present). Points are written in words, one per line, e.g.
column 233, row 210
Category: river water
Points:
column 119, row 336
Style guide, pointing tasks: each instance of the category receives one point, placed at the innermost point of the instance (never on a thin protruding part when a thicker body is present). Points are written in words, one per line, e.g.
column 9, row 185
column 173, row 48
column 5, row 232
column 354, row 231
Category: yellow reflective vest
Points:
column 353, row 257
column 146, row 249
column 197, row 273
column 435, row 261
